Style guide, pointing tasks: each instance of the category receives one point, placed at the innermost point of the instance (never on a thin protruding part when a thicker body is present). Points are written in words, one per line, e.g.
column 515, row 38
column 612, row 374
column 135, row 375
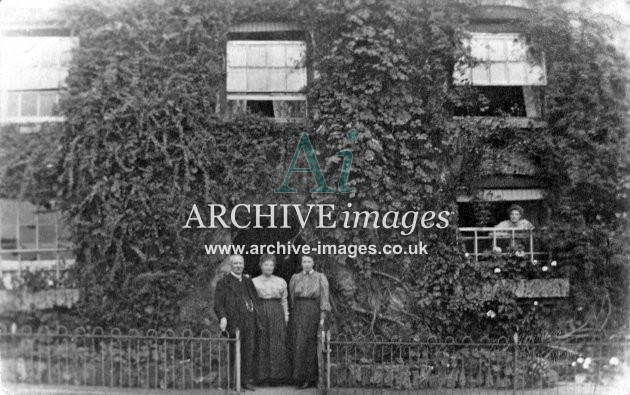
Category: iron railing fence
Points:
column 525, row 365
column 155, row 359
column 481, row 242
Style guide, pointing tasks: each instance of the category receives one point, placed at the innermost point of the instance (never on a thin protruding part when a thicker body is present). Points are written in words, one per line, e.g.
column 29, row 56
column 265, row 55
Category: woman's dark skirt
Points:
column 304, row 324
column 273, row 362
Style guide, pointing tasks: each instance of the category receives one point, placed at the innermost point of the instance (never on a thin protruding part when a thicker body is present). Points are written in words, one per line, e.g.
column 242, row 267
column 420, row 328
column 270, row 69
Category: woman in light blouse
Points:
column 273, row 365
column 310, row 301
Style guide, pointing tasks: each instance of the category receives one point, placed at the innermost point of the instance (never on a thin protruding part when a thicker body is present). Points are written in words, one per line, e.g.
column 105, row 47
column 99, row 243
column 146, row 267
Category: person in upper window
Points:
column 516, row 220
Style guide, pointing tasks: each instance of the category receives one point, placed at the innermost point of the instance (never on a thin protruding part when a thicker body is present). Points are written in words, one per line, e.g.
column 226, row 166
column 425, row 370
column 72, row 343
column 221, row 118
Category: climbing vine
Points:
column 145, row 139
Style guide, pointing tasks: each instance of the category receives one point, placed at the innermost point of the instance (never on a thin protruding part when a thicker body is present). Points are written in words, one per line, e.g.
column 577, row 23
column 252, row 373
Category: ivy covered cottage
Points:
column 115, row 120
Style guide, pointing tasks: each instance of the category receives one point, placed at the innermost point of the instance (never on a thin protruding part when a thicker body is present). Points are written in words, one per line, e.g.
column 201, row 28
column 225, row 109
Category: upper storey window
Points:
column 32, row 74
column 266, row 72
column 504, row 76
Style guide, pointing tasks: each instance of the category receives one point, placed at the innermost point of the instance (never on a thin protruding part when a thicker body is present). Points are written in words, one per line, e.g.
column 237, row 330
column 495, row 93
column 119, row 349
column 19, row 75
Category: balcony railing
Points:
column 483, row 241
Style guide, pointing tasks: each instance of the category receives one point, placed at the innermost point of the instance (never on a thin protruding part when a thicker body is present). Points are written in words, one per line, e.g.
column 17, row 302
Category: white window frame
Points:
column 17, row 265
column 271, row 94
column 59, row 67
column 464, row 73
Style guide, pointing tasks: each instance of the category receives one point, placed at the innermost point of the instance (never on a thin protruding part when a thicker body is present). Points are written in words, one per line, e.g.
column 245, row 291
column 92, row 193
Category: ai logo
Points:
column 313, row 167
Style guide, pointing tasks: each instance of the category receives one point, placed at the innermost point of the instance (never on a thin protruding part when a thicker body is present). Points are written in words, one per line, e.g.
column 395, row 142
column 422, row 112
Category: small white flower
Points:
column 573, row 364
column 496, row 249
column 614, row 361
column 545, row 268
column 587, row 363
column 535, row 303
column 491, row 314
column 554, row 263
column 51, row 283
column 535, row 262
column 466, row 255
column 580, row 360
column 520, row 253
column 497, row 270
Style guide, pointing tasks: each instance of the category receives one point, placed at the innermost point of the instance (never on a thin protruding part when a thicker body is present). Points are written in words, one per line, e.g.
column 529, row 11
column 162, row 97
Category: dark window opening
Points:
column 264, row 108
column 487, row 214
column 491, row 101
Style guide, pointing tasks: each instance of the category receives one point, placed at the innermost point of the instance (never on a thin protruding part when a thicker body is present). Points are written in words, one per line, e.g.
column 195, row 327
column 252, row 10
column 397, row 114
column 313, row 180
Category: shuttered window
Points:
column 499, row 60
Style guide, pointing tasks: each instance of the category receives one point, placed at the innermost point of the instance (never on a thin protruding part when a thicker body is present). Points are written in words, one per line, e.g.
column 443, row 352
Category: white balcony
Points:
column 481, row 242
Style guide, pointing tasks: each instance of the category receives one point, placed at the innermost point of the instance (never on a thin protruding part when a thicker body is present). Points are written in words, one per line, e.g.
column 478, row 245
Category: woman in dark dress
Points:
column 310, row 301
column 273, row 366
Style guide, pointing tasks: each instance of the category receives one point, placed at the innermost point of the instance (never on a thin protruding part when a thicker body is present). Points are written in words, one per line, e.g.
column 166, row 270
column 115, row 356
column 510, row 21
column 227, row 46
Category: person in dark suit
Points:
column 236, row 306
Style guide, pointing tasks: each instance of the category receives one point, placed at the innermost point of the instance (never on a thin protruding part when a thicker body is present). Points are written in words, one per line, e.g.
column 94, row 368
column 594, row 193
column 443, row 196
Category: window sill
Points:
column 31, row 120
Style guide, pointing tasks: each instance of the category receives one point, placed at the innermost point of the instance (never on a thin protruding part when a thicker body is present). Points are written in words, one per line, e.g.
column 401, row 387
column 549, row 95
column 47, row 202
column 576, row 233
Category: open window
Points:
column 33, row 70
column 501, row 77
column 482, row 216
column 266, row 71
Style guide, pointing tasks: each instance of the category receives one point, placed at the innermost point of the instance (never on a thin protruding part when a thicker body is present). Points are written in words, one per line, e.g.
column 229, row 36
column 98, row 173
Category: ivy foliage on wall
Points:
column 143, row 142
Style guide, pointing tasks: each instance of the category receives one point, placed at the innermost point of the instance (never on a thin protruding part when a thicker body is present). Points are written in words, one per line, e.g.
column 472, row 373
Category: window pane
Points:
column 480, row 75
column 295, row 55
column 13, row 101
column 48, row 103
column 496, row 49
column 8, row 212
column 478, row 49
column 236, row 80
column 278, row 80
column 516, row 73
column 29, row 104
column 236, row 55
column 47, row 236
column 27, row 237
column 498, row 74
column 257, row 80
column 9, row 237
column 27, row 213
column 276, row 56
column 256, row 56
column 47, row 256
column 516, row 49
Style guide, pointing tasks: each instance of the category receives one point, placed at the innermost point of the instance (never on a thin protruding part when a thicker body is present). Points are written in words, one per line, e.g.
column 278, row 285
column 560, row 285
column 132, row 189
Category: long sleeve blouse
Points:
column 311, row 285
column 273, row 287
